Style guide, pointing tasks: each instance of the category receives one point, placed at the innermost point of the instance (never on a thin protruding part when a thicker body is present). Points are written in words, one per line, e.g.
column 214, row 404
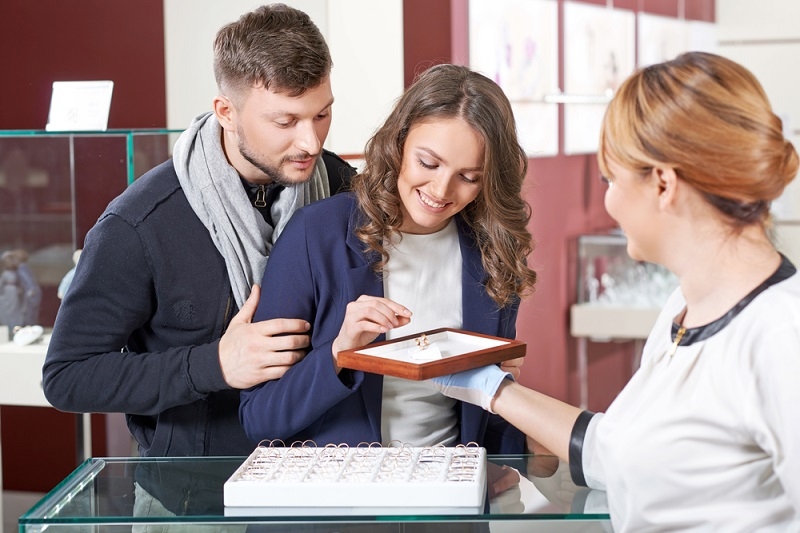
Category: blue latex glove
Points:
column 476, row 386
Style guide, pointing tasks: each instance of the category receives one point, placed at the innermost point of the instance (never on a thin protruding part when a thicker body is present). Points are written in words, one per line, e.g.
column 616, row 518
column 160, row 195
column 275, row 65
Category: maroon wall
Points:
column 567, row 201
column 426, row 36
column 52, row 40
column 43, row 41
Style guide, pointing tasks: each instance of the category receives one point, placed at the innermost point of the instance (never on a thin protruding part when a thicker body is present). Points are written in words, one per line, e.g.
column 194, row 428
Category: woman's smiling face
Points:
column 441, row 173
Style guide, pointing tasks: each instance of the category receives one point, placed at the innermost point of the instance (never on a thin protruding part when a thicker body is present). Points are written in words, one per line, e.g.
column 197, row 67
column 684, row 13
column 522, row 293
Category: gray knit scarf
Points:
column 217, row 196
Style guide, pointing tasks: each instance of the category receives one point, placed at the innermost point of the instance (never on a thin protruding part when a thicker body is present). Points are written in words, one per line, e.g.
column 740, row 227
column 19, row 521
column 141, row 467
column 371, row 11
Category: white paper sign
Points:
column 80, row 105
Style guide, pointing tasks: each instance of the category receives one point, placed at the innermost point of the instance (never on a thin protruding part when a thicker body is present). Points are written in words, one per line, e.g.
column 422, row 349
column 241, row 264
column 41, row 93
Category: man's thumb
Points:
column 248, row 310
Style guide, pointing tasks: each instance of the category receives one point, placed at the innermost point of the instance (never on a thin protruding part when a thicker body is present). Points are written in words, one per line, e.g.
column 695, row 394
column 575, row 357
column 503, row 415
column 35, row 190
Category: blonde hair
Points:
column 709, row 119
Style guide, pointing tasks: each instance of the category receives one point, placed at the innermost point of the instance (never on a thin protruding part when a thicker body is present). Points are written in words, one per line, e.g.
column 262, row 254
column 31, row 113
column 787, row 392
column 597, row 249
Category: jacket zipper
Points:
column 261, row 196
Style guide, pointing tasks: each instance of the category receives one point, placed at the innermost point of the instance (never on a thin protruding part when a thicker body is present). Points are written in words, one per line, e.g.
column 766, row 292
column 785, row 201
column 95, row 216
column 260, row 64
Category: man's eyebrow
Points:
column 276, row 114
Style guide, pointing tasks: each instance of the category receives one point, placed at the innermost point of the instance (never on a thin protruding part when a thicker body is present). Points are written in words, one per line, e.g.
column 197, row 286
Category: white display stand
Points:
column 80, row 105
column 604, row 323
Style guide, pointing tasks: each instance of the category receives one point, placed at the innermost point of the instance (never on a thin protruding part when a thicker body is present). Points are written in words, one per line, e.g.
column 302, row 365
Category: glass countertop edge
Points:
column 317, row 519
column 94, row 465
column 74, row 480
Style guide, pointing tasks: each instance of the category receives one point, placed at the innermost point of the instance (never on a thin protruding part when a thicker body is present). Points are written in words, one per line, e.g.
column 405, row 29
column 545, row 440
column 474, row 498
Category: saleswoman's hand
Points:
column 477, row 386
column 365, row 319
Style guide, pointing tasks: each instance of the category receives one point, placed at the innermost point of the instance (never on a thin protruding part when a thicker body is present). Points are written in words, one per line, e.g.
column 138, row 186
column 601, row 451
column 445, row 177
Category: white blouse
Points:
column 423, row 274
column 709, row 438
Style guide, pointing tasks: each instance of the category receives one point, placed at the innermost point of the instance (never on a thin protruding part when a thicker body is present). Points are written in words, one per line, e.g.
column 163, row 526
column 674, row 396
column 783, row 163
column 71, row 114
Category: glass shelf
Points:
column 135, row 144
column 617, row 297
column 101, row 495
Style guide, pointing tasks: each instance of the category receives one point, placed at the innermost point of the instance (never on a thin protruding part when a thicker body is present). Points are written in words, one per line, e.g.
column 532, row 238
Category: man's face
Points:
column 279, row 137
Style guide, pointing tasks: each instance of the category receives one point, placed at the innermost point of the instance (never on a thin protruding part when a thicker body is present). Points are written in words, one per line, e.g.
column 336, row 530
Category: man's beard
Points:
column 274, row 172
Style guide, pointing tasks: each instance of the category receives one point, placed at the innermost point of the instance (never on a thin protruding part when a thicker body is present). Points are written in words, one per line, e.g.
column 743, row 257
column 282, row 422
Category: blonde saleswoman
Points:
column 706, row 435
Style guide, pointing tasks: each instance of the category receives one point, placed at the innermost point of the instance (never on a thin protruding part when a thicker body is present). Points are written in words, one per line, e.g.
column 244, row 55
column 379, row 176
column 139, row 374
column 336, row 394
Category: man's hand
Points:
column 503, row 485
column 252, row 353
column 500, row 478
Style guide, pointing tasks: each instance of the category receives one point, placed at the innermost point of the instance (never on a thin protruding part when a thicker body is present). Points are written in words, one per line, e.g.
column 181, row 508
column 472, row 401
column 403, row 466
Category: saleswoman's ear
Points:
column 668, row 183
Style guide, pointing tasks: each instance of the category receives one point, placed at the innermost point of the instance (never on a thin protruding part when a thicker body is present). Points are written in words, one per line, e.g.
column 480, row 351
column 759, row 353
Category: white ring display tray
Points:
column 364, row 479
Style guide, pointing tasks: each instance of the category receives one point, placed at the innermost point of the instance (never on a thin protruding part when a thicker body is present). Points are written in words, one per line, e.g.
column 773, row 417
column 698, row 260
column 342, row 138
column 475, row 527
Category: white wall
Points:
column 366, row 42
column 764, row 36
column 367, row 72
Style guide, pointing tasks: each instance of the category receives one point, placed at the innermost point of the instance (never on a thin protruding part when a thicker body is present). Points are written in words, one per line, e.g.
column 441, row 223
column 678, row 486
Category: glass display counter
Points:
column 136, row 494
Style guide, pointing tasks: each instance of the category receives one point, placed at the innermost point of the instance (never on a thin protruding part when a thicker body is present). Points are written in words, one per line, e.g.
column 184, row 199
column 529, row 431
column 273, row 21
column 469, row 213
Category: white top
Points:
column 708, row 439
column 423, row 274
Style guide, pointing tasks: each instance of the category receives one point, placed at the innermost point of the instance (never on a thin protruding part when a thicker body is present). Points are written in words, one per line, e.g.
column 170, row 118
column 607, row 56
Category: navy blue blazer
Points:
column 316, row 268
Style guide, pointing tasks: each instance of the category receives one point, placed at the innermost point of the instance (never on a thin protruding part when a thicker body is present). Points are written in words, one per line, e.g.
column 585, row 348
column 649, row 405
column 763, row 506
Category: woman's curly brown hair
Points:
column 498, row 216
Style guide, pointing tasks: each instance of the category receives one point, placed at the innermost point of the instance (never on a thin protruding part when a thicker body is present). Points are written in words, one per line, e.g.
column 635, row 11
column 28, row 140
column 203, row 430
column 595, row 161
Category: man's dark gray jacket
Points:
column 138, row 330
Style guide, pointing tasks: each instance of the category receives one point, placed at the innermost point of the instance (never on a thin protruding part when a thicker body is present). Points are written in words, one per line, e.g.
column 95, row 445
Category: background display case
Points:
column 617, row 298
column 54, row 185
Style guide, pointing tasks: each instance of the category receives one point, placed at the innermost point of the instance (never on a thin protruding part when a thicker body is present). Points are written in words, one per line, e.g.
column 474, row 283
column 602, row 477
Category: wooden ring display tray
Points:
column 461, row 350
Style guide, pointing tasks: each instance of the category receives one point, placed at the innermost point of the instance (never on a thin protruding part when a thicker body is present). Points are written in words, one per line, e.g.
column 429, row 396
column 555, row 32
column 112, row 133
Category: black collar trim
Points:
column 701, row 333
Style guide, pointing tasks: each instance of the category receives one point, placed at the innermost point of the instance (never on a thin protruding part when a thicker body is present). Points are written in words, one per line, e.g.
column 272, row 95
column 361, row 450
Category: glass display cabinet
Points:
column 617, row 298
column 114, row 494
column 608, row 277
column 54, row 186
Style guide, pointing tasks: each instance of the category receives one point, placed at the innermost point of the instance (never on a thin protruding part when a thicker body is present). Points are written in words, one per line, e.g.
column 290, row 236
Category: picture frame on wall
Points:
column 663, row 38
column 599, row 54
column 515, row 43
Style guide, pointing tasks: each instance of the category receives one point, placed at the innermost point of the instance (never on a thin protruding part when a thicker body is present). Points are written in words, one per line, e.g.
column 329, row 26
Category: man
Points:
column 150, row 325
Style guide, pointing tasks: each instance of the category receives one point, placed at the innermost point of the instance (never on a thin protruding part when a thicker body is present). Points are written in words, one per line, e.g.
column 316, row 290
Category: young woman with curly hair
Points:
column 433, row 234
